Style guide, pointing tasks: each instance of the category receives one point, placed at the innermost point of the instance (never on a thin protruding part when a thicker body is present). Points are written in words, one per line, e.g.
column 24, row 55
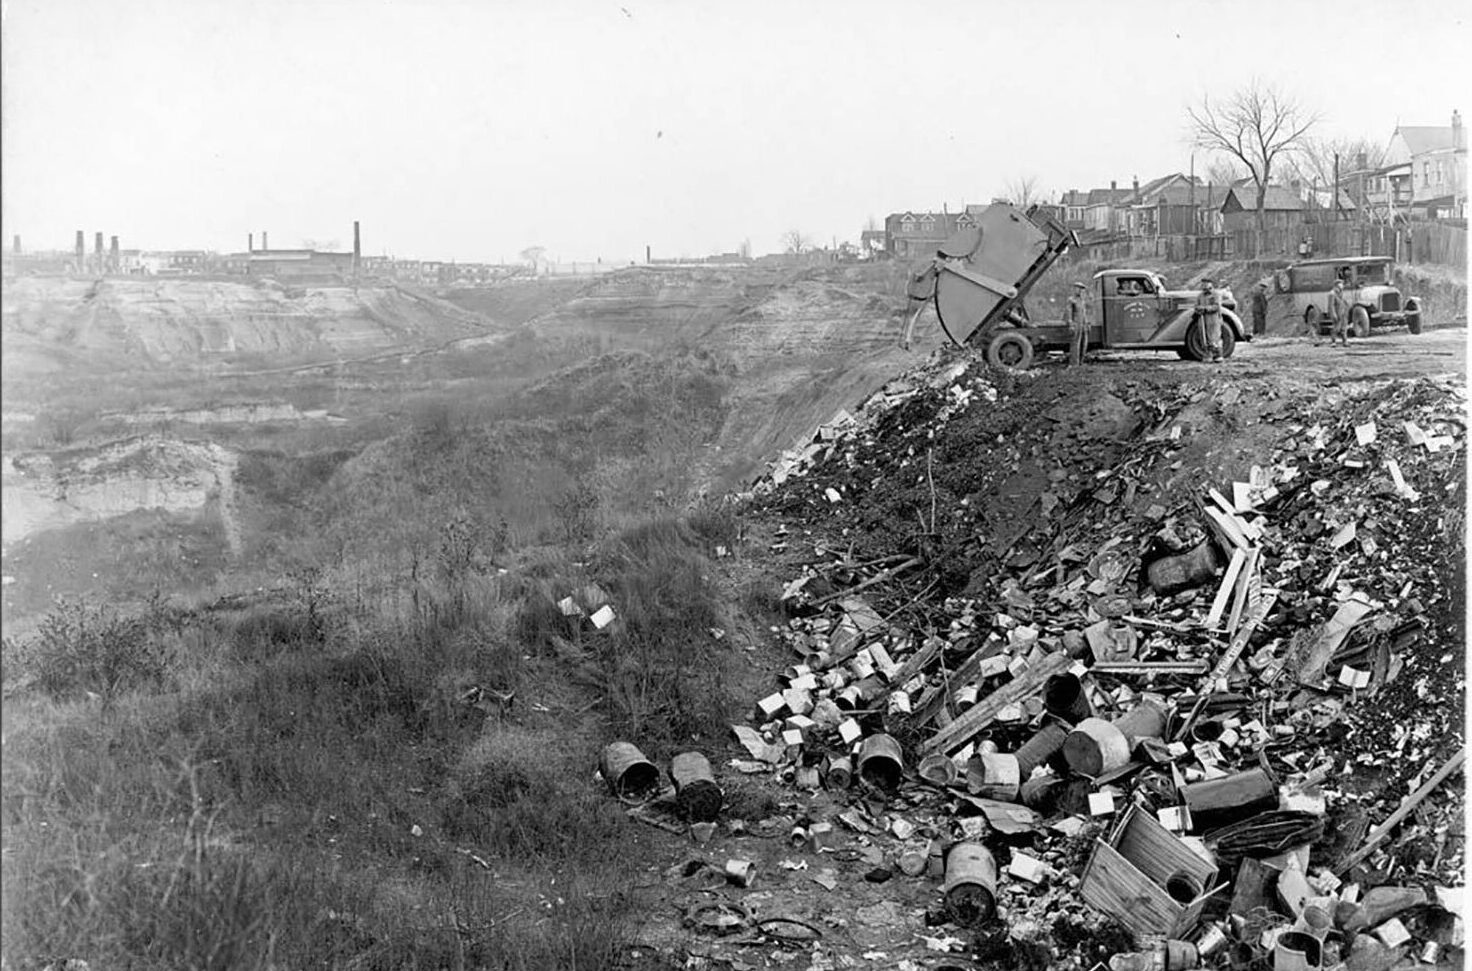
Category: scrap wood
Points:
column 1317, row 648
column 879, row 577
column 1407, row 806
column 932, row 701
column 1233, row 652
column 1150, row 667
column 1244, row 585
column 1227, row 531
column 984, row 712
column 1224, row 592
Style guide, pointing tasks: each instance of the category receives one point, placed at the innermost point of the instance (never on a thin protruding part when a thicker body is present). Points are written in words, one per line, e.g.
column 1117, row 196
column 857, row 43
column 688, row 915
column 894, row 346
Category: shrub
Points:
column 84, row 648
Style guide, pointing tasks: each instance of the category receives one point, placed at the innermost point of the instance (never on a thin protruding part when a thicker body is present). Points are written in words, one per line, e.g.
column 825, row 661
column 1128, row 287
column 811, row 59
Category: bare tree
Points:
column 1315, row 161
column 796, row 241
column 1224, row 170
column 533, row 255
column 871, row 225
column 1257, row 125
column 1022, row 191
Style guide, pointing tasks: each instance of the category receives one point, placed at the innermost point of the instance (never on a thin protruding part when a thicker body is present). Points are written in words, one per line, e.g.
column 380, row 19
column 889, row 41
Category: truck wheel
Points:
column 1010, row 350
column 1359, row 322
column 1413, row 318
column 1196, row 348
column 1229, row 341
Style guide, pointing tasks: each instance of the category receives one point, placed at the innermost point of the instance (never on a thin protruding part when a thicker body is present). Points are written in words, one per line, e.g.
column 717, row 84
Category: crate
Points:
column 1127, row 878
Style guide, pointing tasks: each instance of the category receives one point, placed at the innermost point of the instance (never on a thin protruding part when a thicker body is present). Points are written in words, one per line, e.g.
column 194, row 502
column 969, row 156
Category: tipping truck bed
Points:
column 980, row 276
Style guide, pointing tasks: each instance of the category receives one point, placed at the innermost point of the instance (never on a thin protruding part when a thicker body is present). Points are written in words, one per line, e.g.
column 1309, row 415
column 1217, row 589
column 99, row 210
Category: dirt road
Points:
column 1396, row 354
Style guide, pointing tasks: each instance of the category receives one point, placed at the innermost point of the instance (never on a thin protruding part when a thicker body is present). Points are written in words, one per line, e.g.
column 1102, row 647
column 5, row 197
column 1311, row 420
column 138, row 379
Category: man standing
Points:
column 1260, row 309
column 1078, row 323
column 1209, row 309
column 1339, row 313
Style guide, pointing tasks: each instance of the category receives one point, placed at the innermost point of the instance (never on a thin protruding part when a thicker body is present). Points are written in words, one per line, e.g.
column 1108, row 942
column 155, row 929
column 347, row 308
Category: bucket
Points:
column 1095, row 746
column 1047, row 743
column 1316, row 919
column 938, row 769
column 881, row 762
column 849, row 698
column 626, row 770
column 696, row 792
column 740, row 872
column 1064, row 697
column 1212, row 939
column 971, row 884
column 840, row 773
column 1296, row 951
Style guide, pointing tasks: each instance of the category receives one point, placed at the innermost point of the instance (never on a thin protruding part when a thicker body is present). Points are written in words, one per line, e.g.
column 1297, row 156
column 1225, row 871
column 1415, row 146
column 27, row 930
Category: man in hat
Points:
column 1260, row 309
column 1339, row 313
column 1209, row 309
column 1077, row 316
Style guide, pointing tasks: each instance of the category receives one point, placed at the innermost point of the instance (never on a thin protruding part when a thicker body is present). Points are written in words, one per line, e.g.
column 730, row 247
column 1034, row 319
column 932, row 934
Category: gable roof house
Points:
column 1282, row 208
column 1433, row 160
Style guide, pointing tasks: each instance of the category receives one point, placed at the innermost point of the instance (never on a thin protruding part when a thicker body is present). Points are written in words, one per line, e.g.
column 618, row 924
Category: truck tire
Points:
column 1196, row 349
column 1359, row 322
column 1229, row 341
column 1413, row 317
column 1010, row 349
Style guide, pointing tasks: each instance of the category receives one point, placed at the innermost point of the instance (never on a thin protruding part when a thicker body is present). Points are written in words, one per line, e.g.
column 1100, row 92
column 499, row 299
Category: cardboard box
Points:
column 1127, row 877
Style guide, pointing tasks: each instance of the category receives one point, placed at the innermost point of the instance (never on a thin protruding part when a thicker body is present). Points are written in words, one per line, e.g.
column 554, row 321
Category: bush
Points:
column 83, row 648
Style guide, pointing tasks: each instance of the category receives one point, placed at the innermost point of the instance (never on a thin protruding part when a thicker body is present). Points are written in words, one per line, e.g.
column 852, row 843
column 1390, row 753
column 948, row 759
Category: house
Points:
column 1282, row 208
column 1172, row 205
column 1436, row 157
column 872, row 243
column 1379, row 194
column 917, row 235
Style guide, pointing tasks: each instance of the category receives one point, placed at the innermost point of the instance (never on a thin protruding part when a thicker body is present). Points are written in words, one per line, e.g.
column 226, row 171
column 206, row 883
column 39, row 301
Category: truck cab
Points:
column 1135, row 309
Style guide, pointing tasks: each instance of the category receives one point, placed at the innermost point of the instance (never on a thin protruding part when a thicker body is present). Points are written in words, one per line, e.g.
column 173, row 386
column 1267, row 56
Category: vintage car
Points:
column 1374, row 300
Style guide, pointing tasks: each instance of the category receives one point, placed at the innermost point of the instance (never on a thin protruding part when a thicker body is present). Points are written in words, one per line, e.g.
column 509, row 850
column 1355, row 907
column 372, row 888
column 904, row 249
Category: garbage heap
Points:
column 1115, row 708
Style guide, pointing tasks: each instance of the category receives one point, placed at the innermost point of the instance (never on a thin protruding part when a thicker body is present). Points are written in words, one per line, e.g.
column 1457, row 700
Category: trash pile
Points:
column 1149, row 718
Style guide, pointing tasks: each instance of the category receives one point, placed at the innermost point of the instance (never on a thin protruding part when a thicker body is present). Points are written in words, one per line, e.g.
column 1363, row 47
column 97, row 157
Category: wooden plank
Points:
column 879, row 577
column 1407, row 806
column 1157, row 852
column 984, row 712
column 1228, row 528
column 1114, row 885
column 932, row 701
column 1233, row 652
column 1224, row 592
column 1244, row 583
column 1149, row 667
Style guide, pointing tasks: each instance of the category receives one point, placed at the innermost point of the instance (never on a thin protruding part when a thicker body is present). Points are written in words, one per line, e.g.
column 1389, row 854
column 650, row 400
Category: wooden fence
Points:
column 1418, row 242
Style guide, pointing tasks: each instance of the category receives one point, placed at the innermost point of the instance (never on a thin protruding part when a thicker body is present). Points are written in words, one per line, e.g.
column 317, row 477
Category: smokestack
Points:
column 1459, row 135
column 17, row 244
column 264, row 245
column 647, row 256
column 113, row 262
column 250, row 242
column 81, row 251
column 357, row 246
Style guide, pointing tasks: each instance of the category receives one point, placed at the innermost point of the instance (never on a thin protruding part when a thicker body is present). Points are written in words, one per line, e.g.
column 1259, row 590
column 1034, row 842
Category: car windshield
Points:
column 1373, row 274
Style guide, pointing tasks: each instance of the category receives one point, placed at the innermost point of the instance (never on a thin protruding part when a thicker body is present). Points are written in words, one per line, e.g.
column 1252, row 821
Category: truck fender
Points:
column 1238, row 330
column 1412, row 303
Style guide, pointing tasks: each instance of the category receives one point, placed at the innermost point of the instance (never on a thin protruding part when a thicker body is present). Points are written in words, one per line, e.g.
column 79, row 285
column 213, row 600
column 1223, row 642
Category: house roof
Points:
column 1421, row 139
column 1099, row 197
column 1278, row 198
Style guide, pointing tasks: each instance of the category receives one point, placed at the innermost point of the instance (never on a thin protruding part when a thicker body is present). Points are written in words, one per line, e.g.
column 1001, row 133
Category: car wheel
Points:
column 1196, row 348
column 1413, row 320
column 1359, row 322
column 1229, row 341
column 1010, row 350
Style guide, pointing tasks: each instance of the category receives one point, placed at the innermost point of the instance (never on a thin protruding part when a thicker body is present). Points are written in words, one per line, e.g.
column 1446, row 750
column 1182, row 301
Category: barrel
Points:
column 881, row 762
column 840, row 774
column 626, row 770
column 971, row 884
column 1296, row 951
column 1064, row 697
column 1217, row 802
column 1096, row 746
column 696, row 792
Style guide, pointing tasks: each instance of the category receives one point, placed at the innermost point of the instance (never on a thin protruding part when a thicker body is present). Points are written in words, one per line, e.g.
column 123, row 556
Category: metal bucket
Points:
column 840, row 774
column 1095, row 746
column 1296, row 951
column 881, row 762
column 1064, row 696
column 626, row 770
column 938, row 768
column 971, row 884
column 696, row 792
column 1047, row 743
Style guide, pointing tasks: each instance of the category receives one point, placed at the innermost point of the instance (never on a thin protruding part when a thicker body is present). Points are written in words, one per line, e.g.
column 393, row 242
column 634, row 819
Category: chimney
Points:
column 113, row 262
column 97, row 252
column 1459, row 135
column 264, row 245
column 81, row 250
column 1137, row 187
column 250, row 242
column 1362, row 161
column 357, row 246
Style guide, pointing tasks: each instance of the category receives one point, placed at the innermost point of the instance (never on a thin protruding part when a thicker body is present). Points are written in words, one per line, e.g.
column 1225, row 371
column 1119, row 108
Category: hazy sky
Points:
column 470, row 130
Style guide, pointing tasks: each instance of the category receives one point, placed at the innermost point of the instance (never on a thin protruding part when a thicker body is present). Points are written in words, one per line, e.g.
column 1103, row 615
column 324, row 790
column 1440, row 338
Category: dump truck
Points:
column 979, row 278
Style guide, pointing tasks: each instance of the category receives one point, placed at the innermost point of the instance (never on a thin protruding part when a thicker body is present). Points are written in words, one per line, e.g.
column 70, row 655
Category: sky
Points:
column 470, row 131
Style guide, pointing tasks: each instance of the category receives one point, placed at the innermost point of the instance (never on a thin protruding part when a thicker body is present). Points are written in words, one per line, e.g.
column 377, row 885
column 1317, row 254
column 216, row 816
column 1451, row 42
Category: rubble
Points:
column 1184, row 709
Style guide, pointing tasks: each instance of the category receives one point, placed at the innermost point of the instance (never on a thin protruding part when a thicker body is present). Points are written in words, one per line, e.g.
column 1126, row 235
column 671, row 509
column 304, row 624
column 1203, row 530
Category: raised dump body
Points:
column 980, row 275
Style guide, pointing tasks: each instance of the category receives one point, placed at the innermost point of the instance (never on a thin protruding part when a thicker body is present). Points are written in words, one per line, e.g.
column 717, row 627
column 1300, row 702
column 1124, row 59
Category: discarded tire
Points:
column 696, row 791
column 626, row 770
column 881, row 762
column 971, row 884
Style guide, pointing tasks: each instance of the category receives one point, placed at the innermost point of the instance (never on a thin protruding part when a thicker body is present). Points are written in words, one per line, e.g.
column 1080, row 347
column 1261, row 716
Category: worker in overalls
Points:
column 1339, row 313
column 1077, row 316
column 1209, row 309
